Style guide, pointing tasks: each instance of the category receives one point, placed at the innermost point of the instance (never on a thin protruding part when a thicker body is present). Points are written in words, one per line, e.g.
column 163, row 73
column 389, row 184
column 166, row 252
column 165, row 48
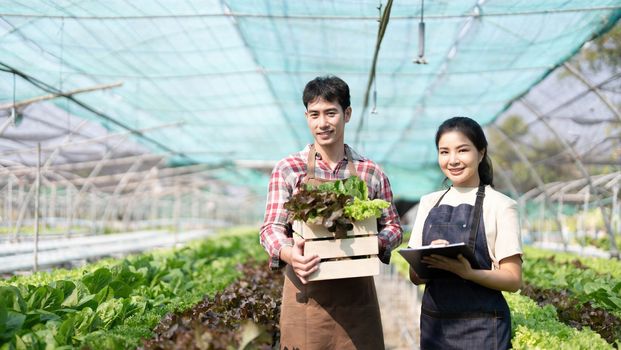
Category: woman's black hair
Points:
column 473, row 131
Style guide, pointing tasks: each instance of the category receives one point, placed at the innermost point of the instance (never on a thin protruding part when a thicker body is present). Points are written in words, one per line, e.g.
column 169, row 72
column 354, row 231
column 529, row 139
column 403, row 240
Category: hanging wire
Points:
column 379, row 21
column 13, row 111
column 421, row 36
column 60, row 72
column 385, row 18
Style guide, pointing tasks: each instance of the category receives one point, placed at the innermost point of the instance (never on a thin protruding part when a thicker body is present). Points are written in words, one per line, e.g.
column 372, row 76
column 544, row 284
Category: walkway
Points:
column 399, row 301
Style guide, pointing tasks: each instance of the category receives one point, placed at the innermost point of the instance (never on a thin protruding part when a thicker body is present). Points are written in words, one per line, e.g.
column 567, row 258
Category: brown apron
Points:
column 331, row 314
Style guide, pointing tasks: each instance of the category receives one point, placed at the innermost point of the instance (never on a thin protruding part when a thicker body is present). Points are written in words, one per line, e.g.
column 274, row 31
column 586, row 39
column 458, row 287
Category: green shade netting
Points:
column 230, row 73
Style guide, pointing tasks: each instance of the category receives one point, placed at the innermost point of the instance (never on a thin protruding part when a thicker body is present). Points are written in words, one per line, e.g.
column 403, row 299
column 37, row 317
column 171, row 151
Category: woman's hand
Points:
column 439, row 242
column 414, row 277
column 460, row 266
column 508, row 276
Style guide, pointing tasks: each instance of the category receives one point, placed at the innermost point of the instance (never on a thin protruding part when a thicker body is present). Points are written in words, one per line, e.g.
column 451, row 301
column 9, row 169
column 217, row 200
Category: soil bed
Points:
column 247, row 312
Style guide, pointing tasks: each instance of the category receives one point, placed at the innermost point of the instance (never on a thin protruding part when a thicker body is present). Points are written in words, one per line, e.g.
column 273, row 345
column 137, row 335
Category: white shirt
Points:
column 500, row 217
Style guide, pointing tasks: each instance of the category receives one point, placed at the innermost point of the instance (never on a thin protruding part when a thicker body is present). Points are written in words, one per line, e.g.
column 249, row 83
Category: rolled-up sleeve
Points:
column 508, row 238
column 273, row 234
column 391, row 232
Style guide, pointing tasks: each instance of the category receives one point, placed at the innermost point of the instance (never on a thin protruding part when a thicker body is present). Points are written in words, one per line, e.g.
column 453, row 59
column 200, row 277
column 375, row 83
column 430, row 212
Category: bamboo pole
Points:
column 36, row 213
column 60, row 94
column 92, row 140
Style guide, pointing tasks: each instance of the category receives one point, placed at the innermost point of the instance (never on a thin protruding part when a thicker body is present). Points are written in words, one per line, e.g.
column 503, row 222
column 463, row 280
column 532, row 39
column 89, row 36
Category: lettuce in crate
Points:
column 335, row 205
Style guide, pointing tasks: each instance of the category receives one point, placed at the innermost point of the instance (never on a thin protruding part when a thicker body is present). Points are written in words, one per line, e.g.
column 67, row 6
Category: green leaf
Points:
column 39, row 316
column 110, row 311
column 67, row 287
column 45, row 298
column 97, row 280
column 131, row 278
column 136, row 305
column 10, row 323
column 11, row 298
column 28, row 341
column 591, row 287
column 104, row 295
column 364, row 209
column 615, row 302
column 65, row 331
column 86, row 321
column 80, row 298
column 121, row 289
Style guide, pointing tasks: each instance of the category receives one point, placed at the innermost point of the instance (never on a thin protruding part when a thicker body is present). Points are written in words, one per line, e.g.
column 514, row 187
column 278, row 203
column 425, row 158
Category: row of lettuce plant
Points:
column 535, row 327
column 585, row 284
column 602, row 266
column 115, row 303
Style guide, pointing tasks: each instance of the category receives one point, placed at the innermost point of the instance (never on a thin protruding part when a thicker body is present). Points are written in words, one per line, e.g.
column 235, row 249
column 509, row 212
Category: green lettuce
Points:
column 335, row 205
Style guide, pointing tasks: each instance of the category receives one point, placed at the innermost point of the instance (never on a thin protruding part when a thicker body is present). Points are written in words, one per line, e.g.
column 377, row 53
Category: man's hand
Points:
column 302, row 266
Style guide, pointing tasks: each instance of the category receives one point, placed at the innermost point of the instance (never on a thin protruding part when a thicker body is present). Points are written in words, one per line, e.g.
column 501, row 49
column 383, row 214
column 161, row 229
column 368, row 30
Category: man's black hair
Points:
column 329, row 88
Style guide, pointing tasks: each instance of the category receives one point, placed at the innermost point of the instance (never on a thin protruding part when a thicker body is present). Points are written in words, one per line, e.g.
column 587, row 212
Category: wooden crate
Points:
column 335, row 254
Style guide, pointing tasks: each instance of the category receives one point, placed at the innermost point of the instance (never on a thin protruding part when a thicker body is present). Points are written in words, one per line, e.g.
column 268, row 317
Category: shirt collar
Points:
column 354, row 154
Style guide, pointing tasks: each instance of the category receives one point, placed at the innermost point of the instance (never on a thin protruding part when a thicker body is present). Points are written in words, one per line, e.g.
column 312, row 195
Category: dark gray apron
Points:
column 456, row 313
column 332, row 314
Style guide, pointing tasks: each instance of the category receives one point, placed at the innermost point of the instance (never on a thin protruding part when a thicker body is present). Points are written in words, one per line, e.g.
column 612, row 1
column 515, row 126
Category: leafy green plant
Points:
column 335, row 205
column 536, row 327
column 584, row 284
column 113, row 306
column 577, row 314
column 600, row 266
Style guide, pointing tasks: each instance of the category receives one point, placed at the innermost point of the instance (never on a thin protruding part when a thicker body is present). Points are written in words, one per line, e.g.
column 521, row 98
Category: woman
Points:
column 465, row 308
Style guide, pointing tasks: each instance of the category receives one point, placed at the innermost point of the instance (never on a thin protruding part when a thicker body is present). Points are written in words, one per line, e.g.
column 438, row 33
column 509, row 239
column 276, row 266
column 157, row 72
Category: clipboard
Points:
column 414, row 255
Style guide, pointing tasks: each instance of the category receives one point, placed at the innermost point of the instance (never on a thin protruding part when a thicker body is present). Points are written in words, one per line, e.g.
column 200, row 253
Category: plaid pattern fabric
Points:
column 289, row 173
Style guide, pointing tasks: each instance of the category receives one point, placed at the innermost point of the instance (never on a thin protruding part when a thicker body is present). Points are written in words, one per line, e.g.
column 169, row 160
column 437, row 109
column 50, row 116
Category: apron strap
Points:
column 350, row 162
column 310, row 163
column 442, row 196
column 476, row 217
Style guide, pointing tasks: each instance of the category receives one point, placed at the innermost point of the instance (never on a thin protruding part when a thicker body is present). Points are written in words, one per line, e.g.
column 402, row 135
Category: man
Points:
column 330, row 314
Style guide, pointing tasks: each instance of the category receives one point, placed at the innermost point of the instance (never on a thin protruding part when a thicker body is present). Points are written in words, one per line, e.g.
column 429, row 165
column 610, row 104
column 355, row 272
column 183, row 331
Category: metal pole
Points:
column 585, row 211
column 616, row 214
column 9, row 215
column 93, row 212
column 68, row 211
column 119, row 187
column 153, row 173
column 595, row 89
column 614, row 251
column 36, row 213
column 52, row 204
column 177, row 212
column 51, row 158
column 153, row 204
column 560, row 218
column 193, row 205
column 540, row 184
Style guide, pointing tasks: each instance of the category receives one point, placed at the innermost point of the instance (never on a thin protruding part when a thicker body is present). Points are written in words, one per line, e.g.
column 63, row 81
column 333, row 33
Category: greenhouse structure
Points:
column 138, row 140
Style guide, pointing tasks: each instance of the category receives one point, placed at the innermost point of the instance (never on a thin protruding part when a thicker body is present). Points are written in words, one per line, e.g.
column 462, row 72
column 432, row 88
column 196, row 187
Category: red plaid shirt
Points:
column 288, row 175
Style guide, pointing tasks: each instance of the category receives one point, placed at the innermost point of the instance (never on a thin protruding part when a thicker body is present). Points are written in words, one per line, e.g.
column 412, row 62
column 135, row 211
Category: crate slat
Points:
column 311, row 231
column 346, row 269
column 337, row 248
